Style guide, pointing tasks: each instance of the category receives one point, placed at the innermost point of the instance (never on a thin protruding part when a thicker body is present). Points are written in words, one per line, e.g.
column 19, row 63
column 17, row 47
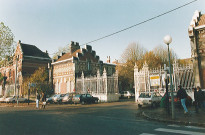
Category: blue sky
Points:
column 50, row 24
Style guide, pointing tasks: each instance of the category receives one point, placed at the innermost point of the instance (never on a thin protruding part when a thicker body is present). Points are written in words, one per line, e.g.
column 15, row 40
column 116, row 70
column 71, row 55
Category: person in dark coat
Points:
column 200, row 96
column 182, row 95
column 196, row 100
column 43, row 100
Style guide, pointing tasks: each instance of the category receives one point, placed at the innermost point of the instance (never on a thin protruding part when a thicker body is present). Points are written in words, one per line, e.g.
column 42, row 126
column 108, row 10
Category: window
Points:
column 88, row 95
column 89, row 65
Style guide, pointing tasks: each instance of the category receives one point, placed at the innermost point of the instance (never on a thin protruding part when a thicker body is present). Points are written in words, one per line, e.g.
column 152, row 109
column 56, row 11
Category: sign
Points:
column 154, row 80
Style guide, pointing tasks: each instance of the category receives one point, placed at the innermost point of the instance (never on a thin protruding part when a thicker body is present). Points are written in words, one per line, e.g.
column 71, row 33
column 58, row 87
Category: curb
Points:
column 172, row 121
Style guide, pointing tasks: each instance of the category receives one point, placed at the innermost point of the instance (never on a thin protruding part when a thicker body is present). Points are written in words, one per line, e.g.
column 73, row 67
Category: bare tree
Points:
column 61, row 50
column 162, row 53
column 133, row 52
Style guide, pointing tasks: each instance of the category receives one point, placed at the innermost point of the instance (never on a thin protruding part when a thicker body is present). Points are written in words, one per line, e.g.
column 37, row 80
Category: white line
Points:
column 179, row 131
column 194, row 127
column 146, row 134
column 173, row 125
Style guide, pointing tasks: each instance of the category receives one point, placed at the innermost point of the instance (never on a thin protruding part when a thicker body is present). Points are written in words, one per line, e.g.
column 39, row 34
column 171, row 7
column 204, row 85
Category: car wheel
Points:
column 60, row 101
column 154, row 104
column 83, row 102
column 13, row 101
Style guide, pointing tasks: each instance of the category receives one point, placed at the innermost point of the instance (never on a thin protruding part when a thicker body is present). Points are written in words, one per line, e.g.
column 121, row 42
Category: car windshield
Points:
column 145, row 95
column 77, row 95
column 174, row 93
column 62, row 95
column 55, row 95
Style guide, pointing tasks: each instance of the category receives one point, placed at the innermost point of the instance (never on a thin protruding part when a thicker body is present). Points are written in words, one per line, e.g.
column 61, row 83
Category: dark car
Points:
column 177, row 101
column 84, row 99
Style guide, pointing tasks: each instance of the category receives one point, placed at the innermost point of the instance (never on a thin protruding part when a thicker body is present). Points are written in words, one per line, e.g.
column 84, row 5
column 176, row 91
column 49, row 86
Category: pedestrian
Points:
column 182, row 95
column 196, row 100
column 43, row 100
column 37, row 100
column 200, row 96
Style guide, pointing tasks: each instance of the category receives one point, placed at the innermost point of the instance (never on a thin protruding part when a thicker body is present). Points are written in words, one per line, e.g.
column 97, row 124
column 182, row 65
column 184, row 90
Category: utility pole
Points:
column 16, row 80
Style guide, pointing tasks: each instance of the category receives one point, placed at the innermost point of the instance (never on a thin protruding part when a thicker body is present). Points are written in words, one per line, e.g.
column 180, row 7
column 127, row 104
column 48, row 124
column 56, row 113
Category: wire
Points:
column 140, row 23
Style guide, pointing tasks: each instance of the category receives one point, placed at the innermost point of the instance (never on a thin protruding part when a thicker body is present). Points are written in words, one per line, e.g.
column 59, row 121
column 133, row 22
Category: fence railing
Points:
column 98, row 84
column 153, row 80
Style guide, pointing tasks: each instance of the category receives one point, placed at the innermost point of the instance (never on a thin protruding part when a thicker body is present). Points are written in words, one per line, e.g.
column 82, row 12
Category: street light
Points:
column 168, row 40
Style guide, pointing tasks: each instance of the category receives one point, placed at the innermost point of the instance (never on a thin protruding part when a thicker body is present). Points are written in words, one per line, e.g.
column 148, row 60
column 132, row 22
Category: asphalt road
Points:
column 118, row 118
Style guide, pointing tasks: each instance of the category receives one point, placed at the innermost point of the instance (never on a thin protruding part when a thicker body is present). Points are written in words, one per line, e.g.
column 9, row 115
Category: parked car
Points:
column 127, row 94
column 177, row 101
column 84, row 99
column 13, row 99
column 58, row 98
column 10, row 99
column 2, row 99
column 149, row 98
column 50, row 99
column 68, row 98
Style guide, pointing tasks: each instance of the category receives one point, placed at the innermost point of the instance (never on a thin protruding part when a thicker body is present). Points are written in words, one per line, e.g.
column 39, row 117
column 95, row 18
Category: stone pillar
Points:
column 136, row 81
column 98, row 81
column 83, row 82
column 105, row 80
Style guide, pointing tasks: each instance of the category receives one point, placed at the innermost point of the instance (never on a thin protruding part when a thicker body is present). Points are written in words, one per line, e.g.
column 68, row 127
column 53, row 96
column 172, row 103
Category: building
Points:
column 27, row 58
column 70, row 66
column 196, row 32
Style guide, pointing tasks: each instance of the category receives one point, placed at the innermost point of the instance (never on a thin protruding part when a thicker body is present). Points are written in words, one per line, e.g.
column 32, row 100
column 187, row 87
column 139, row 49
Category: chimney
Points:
column 108, row 59
column 74, row 46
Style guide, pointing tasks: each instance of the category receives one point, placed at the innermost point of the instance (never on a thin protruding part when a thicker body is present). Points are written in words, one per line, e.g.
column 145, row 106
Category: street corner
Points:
column 161, row 115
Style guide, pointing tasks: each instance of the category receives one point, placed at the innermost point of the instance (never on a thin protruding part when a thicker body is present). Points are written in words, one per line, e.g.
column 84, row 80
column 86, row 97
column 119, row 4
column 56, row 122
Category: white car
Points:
column 58, row 98
column 10, row 100
column 146, row 98
column 127, row 94
column 2, row 99
column 14, row 99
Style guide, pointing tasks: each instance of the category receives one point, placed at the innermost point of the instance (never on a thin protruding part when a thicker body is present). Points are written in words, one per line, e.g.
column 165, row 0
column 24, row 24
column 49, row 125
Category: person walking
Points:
column 196, row 100
column 37, row 100
column 43, row 100
column 200, row 96
column 182, row 95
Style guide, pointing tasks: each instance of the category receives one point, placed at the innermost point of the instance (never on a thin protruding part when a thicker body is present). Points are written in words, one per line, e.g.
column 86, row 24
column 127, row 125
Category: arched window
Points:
column 89, row 65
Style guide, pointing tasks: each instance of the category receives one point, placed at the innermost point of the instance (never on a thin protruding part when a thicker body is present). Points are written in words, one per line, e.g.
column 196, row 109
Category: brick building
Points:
column 68, row 67
column 197, row 40
column 27, row 58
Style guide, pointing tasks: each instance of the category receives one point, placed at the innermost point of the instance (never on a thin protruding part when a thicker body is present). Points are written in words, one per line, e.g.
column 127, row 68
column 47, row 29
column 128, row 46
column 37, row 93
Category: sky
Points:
column 50, row 24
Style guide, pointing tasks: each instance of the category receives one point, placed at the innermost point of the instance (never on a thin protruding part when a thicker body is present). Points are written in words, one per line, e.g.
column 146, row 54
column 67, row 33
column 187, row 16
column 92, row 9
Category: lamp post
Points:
column 168, row 40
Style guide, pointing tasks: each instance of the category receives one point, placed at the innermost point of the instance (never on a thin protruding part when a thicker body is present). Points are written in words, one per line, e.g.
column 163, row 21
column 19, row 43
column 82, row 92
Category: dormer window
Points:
column 89, row 65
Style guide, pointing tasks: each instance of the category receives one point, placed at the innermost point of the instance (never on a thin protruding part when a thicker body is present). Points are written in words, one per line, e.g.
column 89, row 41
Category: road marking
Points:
column 173, row 125
column 179, row 131
column 194, row 127
column 146, row 134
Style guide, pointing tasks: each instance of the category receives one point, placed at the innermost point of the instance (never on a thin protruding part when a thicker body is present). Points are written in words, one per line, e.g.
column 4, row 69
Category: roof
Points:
column 201, row 20
column 81, row 54
column 32, row 50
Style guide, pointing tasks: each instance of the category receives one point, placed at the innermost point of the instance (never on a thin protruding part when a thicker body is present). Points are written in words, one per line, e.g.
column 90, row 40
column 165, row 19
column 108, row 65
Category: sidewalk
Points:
column 160, row 114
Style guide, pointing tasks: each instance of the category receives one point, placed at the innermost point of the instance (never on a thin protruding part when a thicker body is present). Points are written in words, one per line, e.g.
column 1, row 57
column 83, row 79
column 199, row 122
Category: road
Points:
column 118, row 118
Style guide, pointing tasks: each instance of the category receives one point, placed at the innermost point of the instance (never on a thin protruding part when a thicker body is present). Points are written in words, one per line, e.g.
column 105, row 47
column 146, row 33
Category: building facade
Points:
column 197, row 40
column 70, row 66
column 27, row 58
